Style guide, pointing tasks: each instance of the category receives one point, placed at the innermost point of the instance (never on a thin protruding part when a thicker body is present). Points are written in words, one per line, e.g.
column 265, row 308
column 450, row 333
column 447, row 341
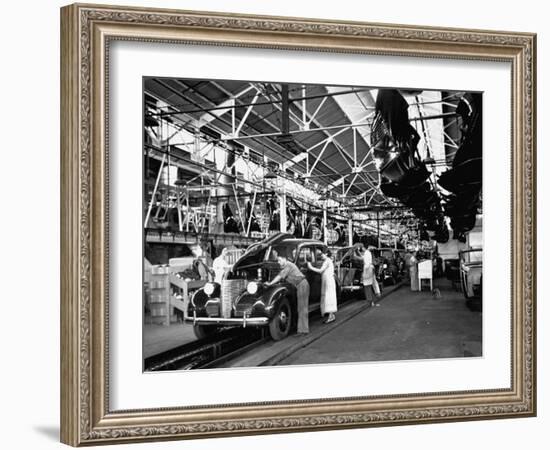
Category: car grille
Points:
column 213, row 308
column 242, row 307
column 230, row 289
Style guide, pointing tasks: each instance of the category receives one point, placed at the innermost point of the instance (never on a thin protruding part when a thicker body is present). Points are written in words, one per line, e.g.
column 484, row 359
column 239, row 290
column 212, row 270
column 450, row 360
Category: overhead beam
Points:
column 211, row 109
column 327, row 142
column 337, row 183
column 285, row 125
column 246, row 114
column 279, row 153
column 222, row 108
column 345, row 111
column 294, row 160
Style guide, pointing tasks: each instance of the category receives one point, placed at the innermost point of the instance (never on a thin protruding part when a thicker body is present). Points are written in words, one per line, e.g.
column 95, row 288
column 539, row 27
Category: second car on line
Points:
column 388, row 267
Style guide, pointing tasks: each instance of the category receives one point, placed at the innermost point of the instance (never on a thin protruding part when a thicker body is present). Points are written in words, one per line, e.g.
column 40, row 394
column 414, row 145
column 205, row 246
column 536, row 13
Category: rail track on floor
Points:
column 209, row 352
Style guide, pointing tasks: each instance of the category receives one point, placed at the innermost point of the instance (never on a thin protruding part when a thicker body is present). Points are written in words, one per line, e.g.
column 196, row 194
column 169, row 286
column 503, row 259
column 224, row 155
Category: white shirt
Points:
column 367, row 258
column 219, row 266
column 368, row 271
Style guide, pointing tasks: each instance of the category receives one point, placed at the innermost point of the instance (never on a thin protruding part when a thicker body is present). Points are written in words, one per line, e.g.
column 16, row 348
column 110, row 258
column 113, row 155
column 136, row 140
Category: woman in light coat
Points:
column 328, row 287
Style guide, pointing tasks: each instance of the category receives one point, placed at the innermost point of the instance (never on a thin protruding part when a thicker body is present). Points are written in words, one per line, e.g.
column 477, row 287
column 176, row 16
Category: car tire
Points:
column 280, row 324
column 204, row 331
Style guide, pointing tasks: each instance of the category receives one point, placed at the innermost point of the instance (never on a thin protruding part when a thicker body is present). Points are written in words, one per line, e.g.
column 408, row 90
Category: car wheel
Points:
column 279, row 326
column 203, row 331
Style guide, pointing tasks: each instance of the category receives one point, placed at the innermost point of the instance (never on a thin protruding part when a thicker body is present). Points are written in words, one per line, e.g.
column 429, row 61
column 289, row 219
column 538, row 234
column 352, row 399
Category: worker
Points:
column 221, row 266
column 328, row 285
column 200, row 264
column 370, row 284
column 292, row 275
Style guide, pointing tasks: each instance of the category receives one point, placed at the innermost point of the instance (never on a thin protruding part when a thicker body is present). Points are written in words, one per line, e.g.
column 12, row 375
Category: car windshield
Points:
column 288, row 251
column 473, row 256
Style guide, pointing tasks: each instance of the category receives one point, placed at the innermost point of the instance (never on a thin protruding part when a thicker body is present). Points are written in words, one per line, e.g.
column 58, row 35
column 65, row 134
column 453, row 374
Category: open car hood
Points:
column 249, row 259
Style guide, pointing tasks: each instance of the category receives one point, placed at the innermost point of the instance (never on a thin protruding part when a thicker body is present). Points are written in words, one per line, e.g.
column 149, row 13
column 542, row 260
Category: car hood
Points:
column 251, row 256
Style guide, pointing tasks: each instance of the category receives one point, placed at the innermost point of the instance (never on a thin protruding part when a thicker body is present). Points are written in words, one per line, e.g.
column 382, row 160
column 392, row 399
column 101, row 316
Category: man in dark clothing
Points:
column 292, row 275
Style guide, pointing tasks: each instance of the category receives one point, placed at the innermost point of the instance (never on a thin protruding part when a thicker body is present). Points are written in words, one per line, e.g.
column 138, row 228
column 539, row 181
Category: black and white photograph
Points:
column 291, row 224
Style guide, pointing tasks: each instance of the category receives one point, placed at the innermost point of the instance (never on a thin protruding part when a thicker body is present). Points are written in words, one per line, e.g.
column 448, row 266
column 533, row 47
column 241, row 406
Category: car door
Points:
column 306, row 254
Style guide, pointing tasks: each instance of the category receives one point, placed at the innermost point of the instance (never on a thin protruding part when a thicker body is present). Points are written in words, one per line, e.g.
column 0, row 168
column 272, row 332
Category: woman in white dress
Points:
column 328, row 287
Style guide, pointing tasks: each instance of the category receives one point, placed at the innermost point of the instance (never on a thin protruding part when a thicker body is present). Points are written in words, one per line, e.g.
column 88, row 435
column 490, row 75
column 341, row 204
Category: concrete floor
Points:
column 406, row 325
column 272, row 352
column 160, row 338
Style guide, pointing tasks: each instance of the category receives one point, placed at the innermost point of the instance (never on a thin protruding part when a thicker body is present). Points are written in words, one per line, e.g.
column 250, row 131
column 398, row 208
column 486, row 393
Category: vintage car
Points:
column 338, row 254
column 348, row 270
column 389, row 265
column 471, row 268
column 243, row 299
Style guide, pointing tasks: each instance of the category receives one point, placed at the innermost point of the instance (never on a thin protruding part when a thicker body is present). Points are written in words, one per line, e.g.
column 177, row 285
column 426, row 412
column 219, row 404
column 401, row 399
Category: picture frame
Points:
column 87, row 31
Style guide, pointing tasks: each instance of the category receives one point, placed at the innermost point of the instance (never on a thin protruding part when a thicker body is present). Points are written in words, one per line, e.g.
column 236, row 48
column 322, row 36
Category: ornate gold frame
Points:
column 85, row 34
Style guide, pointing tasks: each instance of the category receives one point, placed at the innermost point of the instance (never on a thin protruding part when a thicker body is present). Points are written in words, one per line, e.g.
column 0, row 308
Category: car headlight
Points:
column 252, row 287
column 209, row 288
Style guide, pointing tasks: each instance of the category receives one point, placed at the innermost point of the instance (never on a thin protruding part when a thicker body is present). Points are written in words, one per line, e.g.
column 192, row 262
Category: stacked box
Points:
column 159, row 294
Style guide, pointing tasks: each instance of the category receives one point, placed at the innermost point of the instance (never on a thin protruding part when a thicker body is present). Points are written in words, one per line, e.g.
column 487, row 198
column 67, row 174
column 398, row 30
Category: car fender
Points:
column 199, row 298
column 268, row 295
column 272, row 296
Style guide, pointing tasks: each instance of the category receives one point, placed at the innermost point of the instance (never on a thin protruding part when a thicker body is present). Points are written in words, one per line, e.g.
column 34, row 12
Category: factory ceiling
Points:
column 324, row 139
